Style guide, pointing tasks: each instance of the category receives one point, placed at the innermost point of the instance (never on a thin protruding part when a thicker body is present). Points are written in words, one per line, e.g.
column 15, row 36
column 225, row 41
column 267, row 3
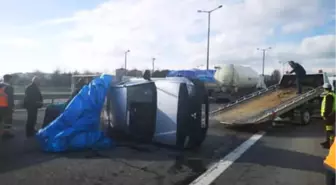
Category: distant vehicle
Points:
column 86, row 77
column 236, row 77
column 90, row 77
column 228, row 82
column 332, row 80
column 206, row 76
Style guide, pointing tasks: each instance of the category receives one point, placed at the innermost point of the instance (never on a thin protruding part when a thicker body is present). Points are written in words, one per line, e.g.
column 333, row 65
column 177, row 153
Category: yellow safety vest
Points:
column 324, row 103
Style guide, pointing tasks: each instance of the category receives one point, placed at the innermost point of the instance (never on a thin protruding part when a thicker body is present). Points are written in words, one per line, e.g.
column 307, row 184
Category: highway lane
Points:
column 284, row 156
column 22, row 162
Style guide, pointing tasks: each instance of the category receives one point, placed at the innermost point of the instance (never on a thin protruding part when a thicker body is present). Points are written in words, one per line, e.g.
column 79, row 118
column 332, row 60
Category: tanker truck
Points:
column 235, row 81
column 227, row 83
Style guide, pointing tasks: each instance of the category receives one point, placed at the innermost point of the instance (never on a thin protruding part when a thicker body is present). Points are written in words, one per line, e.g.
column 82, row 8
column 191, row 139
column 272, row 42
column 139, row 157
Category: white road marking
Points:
column 218, row 168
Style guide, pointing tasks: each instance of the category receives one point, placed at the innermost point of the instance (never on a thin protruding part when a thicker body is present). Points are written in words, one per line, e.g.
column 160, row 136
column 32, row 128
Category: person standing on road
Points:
column 6, row 106
column 328, row 114
column 300, row 73
column 32, row 102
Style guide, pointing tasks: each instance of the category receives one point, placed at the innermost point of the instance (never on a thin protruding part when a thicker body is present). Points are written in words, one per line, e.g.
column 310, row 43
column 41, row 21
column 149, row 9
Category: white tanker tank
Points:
column 235, row 77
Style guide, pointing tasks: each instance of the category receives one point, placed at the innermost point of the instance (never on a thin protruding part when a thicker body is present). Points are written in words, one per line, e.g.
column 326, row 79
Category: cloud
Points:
column 296, row 27
column 174, row 33
column 318, row 47
column 57, row 21
column 19, row 43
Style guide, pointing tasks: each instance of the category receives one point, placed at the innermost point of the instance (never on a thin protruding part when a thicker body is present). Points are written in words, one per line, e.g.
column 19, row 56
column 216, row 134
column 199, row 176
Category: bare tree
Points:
column 276, row 75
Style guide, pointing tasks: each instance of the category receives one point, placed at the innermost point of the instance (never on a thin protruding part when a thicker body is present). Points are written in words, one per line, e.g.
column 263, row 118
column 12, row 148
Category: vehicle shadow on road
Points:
column 20, row 153
column 288, row 129
column 283, row 158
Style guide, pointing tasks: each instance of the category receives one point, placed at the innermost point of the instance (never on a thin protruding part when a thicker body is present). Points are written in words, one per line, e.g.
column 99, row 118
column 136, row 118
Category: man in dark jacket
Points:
column 147, row 75
column 6, row 106
column 300, row 73
column 32, row 102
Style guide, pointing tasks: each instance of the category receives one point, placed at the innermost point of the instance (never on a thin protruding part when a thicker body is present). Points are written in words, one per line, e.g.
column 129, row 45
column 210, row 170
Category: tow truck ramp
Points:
column 280, row 100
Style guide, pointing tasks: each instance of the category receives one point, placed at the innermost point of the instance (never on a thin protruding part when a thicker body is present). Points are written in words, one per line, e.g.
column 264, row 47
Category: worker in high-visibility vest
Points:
column 6, row 107
column 328, row 114
column 329, row 163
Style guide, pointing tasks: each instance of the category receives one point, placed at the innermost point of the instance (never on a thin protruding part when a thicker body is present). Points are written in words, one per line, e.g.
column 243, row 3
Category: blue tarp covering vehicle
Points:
column 78, row 126
column 203, row 75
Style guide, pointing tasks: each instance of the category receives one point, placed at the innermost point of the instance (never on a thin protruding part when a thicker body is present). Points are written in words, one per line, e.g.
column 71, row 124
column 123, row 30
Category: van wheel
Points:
column 305, row 117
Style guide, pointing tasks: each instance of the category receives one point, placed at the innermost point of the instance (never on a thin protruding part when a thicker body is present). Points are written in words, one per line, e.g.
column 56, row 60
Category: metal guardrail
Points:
column 48, row 98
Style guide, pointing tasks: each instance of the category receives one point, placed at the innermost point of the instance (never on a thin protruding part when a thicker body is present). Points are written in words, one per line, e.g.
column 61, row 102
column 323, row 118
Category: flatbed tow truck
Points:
column 280, row 100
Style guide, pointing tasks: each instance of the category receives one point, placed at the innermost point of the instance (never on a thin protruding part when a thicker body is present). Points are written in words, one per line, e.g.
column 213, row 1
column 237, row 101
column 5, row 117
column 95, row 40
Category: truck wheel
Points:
column 305, row 117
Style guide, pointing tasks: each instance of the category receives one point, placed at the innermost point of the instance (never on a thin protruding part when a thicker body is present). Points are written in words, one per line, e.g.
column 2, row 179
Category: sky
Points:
column 93, row 35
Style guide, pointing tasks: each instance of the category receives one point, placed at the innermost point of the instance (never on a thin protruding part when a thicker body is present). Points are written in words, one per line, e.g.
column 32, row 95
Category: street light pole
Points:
column 126, row 60
column 153, row 61
column 263, row 60
column 208, row 42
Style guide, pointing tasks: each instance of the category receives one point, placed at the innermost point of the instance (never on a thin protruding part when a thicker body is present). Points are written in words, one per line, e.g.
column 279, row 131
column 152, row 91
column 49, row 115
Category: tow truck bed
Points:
column 267, row 104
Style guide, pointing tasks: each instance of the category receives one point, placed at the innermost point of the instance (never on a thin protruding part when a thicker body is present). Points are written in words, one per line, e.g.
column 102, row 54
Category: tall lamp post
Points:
column 208, row 44
column 153, row 62
column 126, row 52
column 263, row 60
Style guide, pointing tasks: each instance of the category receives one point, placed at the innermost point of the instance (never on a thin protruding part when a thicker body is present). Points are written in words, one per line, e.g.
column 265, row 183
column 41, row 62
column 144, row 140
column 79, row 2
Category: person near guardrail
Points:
column 6, row 107
column 33, row 100
column 300, row 73
column 328, row 108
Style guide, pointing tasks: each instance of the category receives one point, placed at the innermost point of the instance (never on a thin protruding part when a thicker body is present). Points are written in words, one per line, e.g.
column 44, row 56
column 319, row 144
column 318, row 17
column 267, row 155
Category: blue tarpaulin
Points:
column 203, row 75
column 78, row 126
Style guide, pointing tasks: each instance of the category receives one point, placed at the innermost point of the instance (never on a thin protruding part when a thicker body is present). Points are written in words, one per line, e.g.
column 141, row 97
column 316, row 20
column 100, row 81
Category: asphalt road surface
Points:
column 287, row 155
